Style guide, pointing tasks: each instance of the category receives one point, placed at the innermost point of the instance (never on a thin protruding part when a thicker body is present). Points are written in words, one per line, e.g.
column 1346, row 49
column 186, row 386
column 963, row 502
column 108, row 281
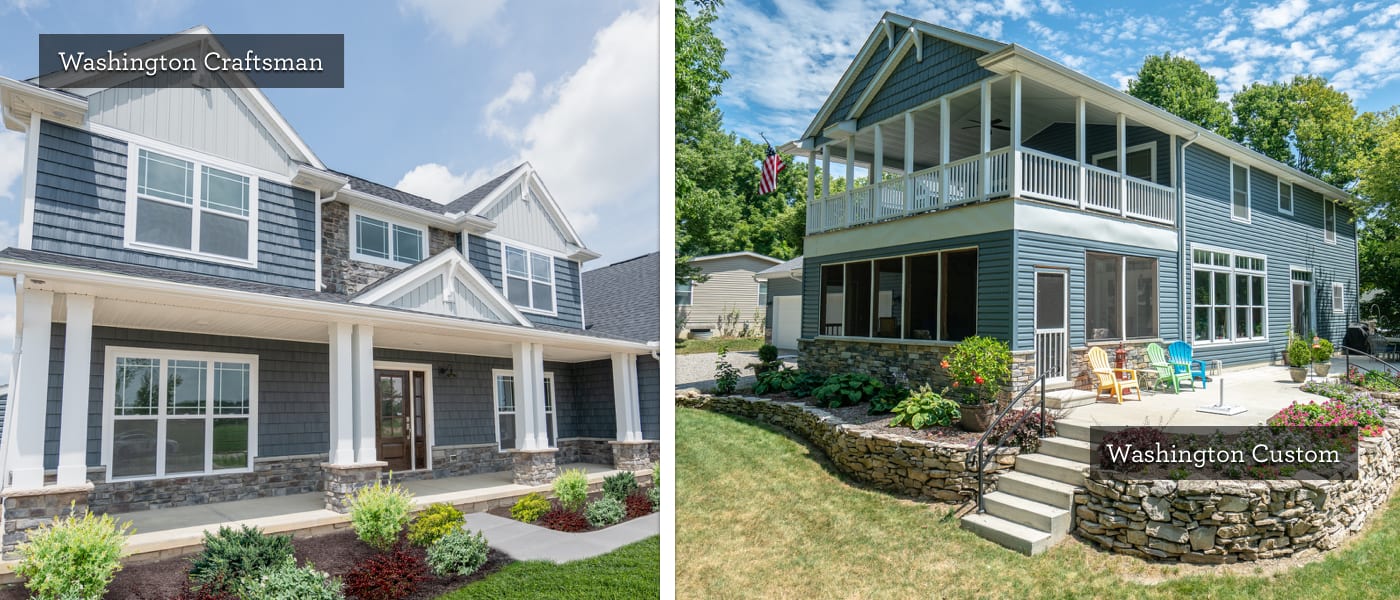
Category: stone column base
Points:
column 27, row 509
column 342, row 481
column 631, row 456
column 534, row 467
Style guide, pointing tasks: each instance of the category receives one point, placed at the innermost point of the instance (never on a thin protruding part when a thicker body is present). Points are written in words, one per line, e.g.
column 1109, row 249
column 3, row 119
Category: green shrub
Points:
column 434, row 522
column 73, row 557
column 618, row 486
column 846, row 389
column 805, row 383
column 768, row 353
column 1297, row 353
column 889, row 396
column 457, row 553
column 529, row 508
column 654, row 494
column 232, row 554
column 925, row 408
column 726, row 375
column 604, row 511
column 571, row 488
column 978, row 366
column 287, row 580
column 1321, row 350
column 379, row 513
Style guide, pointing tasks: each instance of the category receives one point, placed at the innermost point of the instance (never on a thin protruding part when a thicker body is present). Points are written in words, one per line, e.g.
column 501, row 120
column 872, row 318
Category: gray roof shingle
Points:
column 621, row 299
column 469, row 200
column 394, row 194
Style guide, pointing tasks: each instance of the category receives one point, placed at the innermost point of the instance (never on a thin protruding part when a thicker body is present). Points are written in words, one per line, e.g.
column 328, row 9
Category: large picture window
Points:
column 923, row 297
column 1230, row 298
column 183, row 207
column 179, row 413
column 503, row 398
column 381, row 241
column 1120, row 297
column 529, row 279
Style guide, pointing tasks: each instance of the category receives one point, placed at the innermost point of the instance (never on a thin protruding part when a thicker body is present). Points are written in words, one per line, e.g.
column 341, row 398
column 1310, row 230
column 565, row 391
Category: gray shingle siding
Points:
column 947, row 67
column 485, row 255
column 649, row 395
column 591, row 414
column 462, row 411
column 1058, row 139
column 567, row 305
column 878, row 54
column 80, row 209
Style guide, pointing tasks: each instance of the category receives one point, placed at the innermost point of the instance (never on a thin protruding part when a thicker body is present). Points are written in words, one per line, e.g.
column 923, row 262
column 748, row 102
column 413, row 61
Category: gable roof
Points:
column 449, row 263
column 621, row 299
column 392, row 194
column 736, row 255
column 791, row 267
column 466, row 202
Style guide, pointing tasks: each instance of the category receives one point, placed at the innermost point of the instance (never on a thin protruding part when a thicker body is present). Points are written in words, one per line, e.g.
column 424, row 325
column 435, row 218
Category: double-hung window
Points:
column 529, row 279
column 179, row 206
column 1338, row 298
column 1285, row 198
column 763, row 293
column 684, row 294
column 1329, row 221
column 1239, row 192
column 379, row 240
column 179, row 413
column 504, row 400
column 1229, row 294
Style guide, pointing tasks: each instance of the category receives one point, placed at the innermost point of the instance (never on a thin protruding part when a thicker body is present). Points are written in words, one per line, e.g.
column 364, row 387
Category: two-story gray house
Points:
column 208, row 312
column 1025, row 201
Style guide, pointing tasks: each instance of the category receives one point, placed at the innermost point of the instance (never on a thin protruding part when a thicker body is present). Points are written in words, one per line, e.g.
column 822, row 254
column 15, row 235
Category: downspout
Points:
column 1181, row 240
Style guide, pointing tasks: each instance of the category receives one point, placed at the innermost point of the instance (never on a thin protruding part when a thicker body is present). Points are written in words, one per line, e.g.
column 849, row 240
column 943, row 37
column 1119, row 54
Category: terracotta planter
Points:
column 1299, row 374
column 1322, row 368
column 976, row 418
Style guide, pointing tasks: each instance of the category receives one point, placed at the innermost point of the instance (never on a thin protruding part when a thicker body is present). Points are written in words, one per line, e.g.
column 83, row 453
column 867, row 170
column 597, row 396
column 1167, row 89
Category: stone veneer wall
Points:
column 920, row 468
column 1214, row 522
column 892, row 360
column 270, row 477
column 341, row 274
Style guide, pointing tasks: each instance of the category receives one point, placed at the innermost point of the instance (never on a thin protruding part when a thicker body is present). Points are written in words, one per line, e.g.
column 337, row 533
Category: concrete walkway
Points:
column 523, row 541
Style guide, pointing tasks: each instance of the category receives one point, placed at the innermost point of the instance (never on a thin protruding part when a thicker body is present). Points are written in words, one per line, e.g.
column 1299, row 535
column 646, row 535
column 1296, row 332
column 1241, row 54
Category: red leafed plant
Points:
column 638, row 504
column 560, row 519
column 386, row 576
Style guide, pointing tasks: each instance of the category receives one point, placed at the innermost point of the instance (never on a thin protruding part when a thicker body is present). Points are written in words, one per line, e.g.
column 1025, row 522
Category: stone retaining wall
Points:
column 891, row 462
column 1214, row 522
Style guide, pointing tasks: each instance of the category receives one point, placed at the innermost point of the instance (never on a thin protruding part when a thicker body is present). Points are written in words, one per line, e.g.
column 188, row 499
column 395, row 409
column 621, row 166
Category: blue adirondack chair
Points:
column 1179, row 355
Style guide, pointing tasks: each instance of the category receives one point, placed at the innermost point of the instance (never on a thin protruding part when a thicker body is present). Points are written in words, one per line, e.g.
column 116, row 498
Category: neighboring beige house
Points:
column 730, row 302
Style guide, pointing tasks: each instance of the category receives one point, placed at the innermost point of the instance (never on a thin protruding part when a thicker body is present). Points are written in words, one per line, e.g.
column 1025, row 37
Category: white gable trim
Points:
column 451, row 264
column 526, row 175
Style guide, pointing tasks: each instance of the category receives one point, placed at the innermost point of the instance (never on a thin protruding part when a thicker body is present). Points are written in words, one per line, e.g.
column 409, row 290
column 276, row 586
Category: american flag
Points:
column 772, row 165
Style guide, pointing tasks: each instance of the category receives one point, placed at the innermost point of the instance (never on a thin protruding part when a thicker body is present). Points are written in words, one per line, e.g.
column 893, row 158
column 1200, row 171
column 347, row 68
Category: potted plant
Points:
column 1298, row 355
column 977, row 367
column 1321, row 355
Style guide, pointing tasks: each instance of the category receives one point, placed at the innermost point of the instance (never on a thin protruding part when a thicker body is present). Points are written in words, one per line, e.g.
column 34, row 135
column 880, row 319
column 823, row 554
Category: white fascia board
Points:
column 843, row 84
column 449, row 221
column 450, row 263
column 20, row 99
column 325, row 182
column 747, row 253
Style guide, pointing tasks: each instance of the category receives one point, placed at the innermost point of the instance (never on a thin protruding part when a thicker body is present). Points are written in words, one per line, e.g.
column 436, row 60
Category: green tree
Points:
column 1180, row 86
column 1304, row 123
column 1378, row 193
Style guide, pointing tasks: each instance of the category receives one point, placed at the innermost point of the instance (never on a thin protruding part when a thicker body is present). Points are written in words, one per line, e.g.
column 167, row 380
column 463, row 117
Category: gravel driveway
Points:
column 698, row 370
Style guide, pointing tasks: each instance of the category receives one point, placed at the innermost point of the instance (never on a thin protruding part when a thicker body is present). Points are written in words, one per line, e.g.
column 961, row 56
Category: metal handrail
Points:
column 1347, row 352
column 980, row 458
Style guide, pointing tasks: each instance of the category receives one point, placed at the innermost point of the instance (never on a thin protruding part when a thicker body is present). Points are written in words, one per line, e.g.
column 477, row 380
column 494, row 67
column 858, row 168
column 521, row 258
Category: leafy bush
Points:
column 768, row 353
column 805, row 383
column 638, row 504
column 379, row 512
column 458, row 553
column 73, row 557
column 434, row 522
column 604, row 511
column 726, row 375
column 777, row 380
column 571, row 488
column 925, row 408
column 889, row 396
column 232, row 554
column 1027, row 437
column 1297, row 353
column 846, row 389
column 1136, row 437
column 563, row 519
column 618, row 486
column 978, row 366
column 529, row 508
column 654, row 495
column 287, row 580
column 386, row 576
column 1321, row 349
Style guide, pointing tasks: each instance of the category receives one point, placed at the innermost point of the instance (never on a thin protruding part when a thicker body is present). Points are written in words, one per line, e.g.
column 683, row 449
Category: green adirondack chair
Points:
column 1166, row 373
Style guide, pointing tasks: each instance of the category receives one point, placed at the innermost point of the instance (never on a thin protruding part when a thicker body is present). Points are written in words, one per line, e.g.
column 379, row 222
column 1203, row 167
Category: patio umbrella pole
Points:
column 1220, row 408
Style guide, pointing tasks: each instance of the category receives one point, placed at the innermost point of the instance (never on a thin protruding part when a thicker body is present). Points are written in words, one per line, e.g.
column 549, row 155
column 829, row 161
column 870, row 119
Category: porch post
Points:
column 985, row 163
column 850, row 177
column 1016, row 173
column 944, row 143
column 362, row 355
column 31, row 390
column 77, row 367
column 811, row 177
column 908, row 161
column 1079, row 151
column 342, row 395
column 630, row 451
column 1122, row 165
column 826, row 183
column 877, row 168
column 533, row 458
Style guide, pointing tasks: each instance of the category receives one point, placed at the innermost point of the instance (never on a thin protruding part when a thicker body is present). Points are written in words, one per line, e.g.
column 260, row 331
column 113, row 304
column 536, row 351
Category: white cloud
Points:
column 11, row 163
column 1279, row 16
column 522, row 87
column 23, row 6
column 437, row 183
column 457, row 20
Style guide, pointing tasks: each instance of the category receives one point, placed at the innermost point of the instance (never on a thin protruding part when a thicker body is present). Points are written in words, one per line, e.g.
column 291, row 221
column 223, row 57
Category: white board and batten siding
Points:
column 730, row 287
column 527, row 221
column 429, row 297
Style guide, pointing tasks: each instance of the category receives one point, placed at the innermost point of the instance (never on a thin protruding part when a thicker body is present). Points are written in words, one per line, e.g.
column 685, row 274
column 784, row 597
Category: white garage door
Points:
column 787, row 321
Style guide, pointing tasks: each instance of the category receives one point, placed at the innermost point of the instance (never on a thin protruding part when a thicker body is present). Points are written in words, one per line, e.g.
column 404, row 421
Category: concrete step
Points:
column 1069, row 398
column 1040, row 489
column 1051, row 467
column 1030, row 513
column 1073, row 430
column 1066, row 448
column 1011, row 535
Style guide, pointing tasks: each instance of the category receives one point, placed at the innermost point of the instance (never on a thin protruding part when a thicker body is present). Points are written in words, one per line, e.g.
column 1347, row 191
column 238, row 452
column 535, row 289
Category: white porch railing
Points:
column 1151, row 202
column 1051, row 349
column 1049, row 177
column 1101, row 189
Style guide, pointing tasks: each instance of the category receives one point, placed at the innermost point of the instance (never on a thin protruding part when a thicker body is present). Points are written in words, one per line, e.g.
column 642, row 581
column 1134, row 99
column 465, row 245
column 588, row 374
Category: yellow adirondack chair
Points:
column 1108, row 376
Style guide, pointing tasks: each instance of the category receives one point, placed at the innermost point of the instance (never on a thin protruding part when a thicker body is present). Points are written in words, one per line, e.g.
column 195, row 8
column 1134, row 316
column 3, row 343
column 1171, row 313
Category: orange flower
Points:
column 955, row 384
column 943, row 364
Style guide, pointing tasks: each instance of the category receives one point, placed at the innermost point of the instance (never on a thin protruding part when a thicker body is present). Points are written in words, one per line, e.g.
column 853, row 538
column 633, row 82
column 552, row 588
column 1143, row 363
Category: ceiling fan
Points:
column 996, row 124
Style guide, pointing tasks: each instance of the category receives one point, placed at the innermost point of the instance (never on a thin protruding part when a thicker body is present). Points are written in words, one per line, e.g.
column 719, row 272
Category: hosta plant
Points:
column 925, row 408
column 846, row 389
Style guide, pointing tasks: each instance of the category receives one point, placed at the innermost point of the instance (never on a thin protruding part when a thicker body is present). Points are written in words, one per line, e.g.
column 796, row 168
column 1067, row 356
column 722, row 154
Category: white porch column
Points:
column 362, row 356
column 342, row 393
column 986, row 163
column 77, row 367
column 826, row 183
column 1122, row 165
column 1016, row 173
column 877, row 168
column 31, row 390
column 528, row 364
column 908, row 161
column 850, row 177
column 811, row 176
column 625, row 398
column 944, row 144
column 1079, row 151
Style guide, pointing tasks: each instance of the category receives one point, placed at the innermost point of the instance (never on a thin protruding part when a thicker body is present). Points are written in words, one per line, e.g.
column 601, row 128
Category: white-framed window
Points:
column 1285, row 198
column 381, row 241
column 1239, row 192
column 190, row 208
column 685, row 294
column 1230, row 296
column 1329, row 221
column 1120, row 297
column 763, row 293
column 177, row 413
column 529, row 278
column 503, row 399
column 1338, row 298
column 1142, row 161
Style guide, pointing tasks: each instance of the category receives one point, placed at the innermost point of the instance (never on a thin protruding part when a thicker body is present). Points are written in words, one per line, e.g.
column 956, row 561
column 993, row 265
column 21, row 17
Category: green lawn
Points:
column 715, row 344
column 758, row 515
column 632, row 571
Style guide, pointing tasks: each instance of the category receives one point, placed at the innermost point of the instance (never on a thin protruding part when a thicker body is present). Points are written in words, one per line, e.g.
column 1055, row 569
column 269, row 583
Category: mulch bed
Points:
column 504, row 511
column 859, row 417
column 335, row 553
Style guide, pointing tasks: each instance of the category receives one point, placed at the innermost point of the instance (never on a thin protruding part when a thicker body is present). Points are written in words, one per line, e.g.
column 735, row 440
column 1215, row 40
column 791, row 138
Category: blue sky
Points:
column 785, row 56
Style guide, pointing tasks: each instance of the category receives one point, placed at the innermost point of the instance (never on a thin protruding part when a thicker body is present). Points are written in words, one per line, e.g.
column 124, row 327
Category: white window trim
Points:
column 690, row 294
column 1248, row 192
column 428, row 420
column 1231, row 294
column 356, row 255
column 763, row 293
column 129, row 241
column 553, row 415
column 1329, row 235
column 1151, row 147
column 1339, row 289
column 553, row 278
column 1123, row 296
column 1292, row 197
column 109, row 408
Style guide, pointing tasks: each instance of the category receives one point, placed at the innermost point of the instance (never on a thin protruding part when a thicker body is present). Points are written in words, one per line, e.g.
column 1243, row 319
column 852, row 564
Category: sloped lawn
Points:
column 758, row 514
column 630, row 572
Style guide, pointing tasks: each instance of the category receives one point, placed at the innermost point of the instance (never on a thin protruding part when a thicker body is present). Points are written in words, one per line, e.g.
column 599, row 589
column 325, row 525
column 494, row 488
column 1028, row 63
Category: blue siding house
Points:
column 1024, row 201
column 207, row 312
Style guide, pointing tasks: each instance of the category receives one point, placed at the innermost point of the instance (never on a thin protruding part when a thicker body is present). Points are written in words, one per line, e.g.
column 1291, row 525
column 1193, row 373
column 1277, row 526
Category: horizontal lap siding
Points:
column 80, row 209
column 946, row 67
column 1286, row 240
column 729, row 287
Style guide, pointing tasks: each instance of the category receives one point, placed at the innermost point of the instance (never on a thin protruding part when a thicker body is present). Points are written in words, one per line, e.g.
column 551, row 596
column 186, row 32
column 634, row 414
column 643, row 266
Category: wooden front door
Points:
column 394, row 424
